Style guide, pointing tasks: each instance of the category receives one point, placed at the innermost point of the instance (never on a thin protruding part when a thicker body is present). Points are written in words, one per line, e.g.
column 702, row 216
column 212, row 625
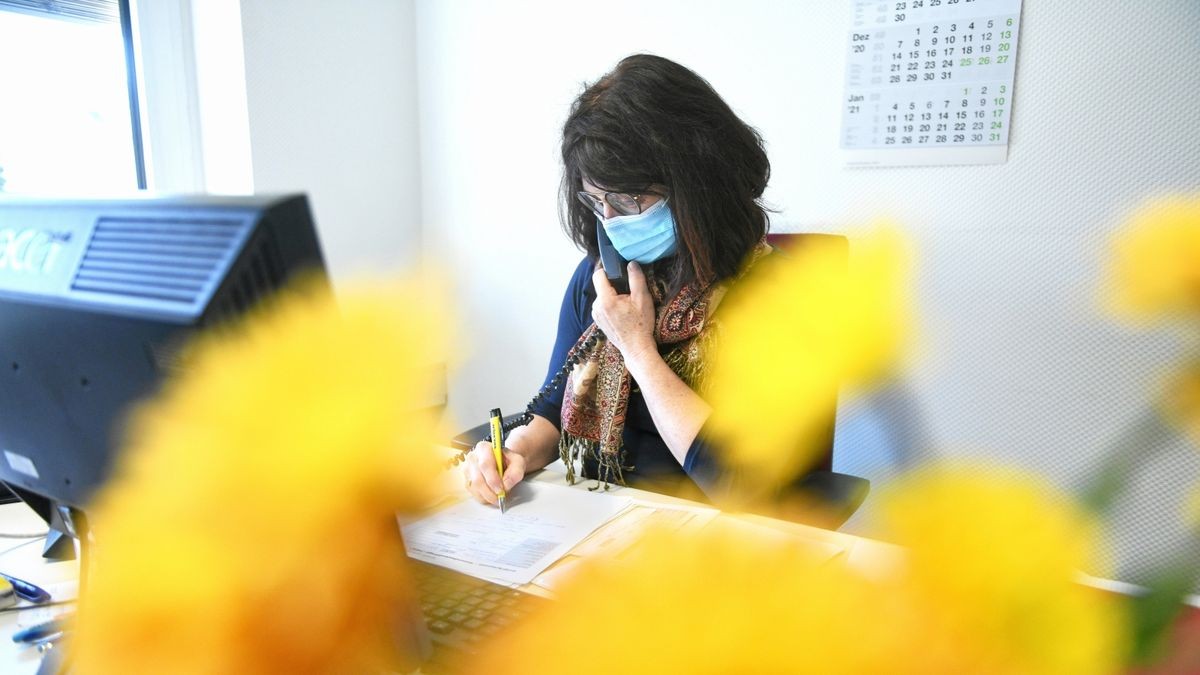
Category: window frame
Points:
column 93, row 12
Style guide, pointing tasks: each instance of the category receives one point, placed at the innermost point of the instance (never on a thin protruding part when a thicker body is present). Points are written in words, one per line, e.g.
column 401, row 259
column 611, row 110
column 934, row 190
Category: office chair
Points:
column 821, row 497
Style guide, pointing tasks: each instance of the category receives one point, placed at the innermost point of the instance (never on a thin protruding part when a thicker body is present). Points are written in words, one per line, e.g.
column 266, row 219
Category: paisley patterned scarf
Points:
column 597, row 390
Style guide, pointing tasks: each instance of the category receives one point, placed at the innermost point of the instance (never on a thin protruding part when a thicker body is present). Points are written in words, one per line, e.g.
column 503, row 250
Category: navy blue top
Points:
column 654, row 467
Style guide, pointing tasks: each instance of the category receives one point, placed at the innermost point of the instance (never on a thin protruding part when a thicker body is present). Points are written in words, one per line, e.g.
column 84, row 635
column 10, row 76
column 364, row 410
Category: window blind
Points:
column 86, row 11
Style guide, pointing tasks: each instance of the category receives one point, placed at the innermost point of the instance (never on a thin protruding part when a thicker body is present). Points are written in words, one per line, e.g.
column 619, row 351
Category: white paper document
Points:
column 620, row 536
column 542, row 523
column 614, row 542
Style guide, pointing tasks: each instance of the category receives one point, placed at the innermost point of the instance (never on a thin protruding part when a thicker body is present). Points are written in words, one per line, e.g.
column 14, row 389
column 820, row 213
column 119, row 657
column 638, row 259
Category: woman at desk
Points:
column 652, row 154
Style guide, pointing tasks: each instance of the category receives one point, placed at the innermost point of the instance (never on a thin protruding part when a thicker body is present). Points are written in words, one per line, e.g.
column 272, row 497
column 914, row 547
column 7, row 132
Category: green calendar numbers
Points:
column 948, row 63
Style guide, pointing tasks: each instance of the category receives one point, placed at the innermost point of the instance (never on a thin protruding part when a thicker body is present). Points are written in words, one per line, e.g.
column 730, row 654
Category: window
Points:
column 67, row 123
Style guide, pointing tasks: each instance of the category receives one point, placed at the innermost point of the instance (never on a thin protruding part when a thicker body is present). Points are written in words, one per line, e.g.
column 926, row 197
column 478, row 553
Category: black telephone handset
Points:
column 615, row 267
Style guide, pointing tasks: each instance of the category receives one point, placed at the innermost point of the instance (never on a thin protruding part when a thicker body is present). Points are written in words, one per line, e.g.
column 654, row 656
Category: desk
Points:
column 859, row 552
column 1182, row 653
column 22, row 558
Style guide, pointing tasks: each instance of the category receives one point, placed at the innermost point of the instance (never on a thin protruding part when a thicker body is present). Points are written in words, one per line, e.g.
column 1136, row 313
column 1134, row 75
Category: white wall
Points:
column 331, row 95
column 1019, row 365
column 273, row 96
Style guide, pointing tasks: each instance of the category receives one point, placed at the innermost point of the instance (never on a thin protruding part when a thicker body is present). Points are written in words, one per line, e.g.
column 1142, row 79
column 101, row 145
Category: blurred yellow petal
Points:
column 1192, row 510
column 1180, row 402
column 801, row 327
column 987, row 586
column 250, row 526
column 993, row 555
column 1156, row 260
column 721, row 601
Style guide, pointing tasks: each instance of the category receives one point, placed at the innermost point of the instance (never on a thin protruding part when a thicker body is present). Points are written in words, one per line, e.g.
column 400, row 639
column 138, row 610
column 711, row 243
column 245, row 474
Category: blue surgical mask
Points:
column 644, row 237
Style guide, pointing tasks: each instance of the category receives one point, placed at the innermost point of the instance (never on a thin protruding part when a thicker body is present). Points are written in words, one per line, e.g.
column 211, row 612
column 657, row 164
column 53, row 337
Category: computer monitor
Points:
column 96, row 299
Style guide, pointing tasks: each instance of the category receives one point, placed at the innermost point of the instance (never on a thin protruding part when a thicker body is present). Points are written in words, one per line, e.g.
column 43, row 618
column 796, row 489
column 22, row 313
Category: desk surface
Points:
column 22, row 558
column 859, row 552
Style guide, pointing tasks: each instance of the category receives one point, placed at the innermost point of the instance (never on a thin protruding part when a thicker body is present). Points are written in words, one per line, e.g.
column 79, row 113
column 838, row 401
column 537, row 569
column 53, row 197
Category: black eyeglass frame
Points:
column 592, row 201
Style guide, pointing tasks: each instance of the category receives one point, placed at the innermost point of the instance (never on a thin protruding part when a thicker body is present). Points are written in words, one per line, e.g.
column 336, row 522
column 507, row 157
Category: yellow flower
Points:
column 720, row 601
column 1156, row 260
column 986, row 586
column 1192, row 515
column 1180, row 402
column 792, row 335
column 992, row 557
column 250, row 527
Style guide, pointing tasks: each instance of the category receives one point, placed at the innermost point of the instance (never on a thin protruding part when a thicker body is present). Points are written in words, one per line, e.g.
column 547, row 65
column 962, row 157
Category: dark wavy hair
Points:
column 653, row 122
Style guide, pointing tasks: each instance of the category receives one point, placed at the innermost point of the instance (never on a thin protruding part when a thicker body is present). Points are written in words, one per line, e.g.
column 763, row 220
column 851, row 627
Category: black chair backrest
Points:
column 794, row 241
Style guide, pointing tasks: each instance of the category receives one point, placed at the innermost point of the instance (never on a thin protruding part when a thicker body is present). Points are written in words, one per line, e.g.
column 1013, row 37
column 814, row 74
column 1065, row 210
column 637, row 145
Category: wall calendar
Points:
column 929, row 82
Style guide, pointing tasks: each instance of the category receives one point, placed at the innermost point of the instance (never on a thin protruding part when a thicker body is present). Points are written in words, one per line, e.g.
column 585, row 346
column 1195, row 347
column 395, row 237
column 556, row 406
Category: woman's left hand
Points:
column 627, row 320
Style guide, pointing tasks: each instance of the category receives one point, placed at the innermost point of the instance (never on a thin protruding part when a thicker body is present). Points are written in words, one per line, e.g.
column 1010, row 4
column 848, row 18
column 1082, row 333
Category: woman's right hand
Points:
column 483, row 480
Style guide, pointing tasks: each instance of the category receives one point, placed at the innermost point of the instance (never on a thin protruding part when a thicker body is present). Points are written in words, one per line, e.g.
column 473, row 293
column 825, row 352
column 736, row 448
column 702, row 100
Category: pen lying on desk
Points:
column 39, row 632
column 26, row 590
column 47, row 642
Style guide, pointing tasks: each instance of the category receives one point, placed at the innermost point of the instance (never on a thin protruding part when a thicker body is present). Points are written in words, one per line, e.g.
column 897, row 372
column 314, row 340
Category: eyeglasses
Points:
column 623, row 203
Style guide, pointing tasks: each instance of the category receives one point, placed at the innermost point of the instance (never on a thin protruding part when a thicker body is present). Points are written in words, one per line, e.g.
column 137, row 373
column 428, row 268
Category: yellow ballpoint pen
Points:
column 498, row 451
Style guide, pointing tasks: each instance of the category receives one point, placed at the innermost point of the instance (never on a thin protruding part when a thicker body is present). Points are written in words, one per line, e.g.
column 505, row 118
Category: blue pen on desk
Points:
column 27, row 591
column 38, row 632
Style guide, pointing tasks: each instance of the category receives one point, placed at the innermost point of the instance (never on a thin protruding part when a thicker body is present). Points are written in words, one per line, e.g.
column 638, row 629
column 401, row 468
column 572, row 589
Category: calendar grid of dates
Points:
column 930, row 73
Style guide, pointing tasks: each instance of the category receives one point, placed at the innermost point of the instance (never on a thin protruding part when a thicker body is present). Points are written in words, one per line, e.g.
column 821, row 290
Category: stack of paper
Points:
column 541, row 523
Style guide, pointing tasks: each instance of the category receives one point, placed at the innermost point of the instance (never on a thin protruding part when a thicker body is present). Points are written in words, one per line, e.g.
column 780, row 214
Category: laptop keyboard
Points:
column 462, row 612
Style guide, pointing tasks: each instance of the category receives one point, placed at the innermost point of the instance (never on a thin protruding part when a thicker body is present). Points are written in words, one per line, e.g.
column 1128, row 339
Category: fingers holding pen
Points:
column 483, row 480
column 514, row 469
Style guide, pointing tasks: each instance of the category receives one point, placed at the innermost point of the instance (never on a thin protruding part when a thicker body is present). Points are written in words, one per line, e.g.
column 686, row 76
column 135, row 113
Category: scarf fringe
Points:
column 611, row 465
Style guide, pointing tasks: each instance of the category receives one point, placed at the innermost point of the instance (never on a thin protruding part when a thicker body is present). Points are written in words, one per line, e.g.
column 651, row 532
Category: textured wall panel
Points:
column 1020, row 365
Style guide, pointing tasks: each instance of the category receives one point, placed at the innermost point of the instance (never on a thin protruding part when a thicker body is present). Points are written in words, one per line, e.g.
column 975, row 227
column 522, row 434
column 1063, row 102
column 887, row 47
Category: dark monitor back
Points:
column 96, row 299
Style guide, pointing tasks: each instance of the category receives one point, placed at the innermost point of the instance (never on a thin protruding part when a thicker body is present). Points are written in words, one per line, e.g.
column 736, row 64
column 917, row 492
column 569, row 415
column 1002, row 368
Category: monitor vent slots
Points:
column 259, row 275
column 164, row 259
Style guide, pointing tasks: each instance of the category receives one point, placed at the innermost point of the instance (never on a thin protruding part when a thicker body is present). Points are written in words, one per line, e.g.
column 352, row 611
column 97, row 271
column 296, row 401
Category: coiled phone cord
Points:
column 577, row 354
